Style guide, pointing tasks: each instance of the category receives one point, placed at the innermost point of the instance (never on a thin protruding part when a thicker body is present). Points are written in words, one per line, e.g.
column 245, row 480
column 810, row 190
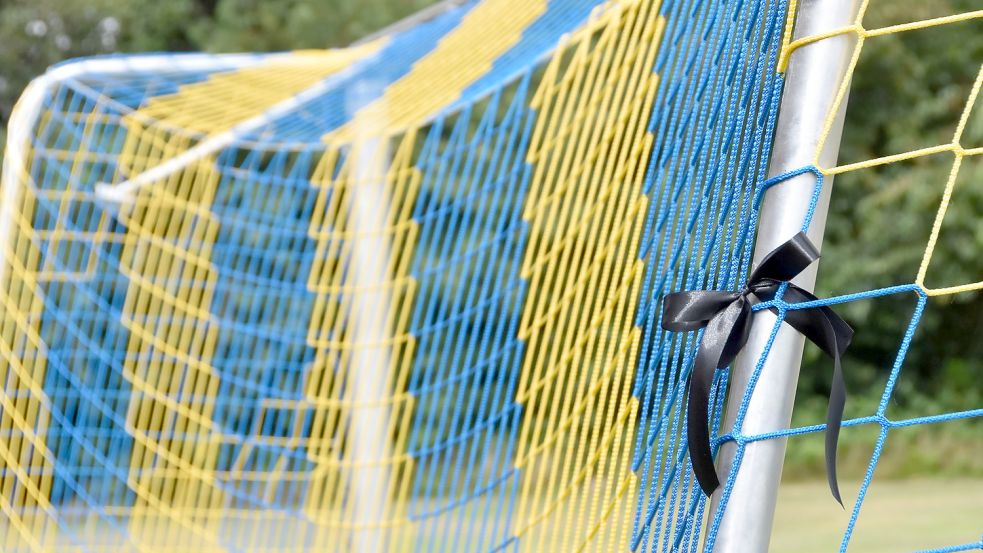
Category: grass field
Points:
column 897, row 516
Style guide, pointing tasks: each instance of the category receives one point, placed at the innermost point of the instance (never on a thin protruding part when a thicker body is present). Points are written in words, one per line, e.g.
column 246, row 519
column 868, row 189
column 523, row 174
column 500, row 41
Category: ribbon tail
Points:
column 832, row 334
column 698, row 429
column 724, row 336
column 834, row 418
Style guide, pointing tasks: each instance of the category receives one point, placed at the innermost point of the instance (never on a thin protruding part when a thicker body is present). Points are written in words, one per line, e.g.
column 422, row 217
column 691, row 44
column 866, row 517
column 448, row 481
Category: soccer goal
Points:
column 411, row 295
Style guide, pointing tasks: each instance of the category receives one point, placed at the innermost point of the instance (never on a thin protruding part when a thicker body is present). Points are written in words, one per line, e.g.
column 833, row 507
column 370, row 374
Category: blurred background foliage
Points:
column 908, row 93
column 35, row 34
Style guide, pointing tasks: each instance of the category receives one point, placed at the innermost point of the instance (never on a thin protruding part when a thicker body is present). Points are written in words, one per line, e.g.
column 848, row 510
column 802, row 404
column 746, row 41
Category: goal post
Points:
column 763, row 378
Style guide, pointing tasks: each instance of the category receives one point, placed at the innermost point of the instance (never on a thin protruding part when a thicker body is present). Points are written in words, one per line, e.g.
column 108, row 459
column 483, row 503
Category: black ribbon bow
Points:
column 727, row 318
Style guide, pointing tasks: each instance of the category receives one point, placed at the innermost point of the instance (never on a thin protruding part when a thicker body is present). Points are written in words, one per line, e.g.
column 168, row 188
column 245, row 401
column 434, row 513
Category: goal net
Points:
column 403, row 296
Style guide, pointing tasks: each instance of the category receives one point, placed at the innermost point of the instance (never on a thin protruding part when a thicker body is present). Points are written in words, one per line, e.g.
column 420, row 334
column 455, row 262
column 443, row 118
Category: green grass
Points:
column 897, row 515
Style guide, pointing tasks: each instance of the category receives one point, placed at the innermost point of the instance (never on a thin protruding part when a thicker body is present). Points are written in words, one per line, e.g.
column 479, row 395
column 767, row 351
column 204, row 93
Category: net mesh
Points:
column 919, row 291
column 403, row 296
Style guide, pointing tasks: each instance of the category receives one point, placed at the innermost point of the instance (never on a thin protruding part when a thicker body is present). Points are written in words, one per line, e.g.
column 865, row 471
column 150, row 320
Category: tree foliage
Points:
column 38, row 33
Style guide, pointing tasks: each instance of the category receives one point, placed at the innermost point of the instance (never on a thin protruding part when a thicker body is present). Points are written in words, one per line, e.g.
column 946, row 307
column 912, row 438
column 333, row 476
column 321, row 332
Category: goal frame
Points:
column 25, row 115
column 742, row 519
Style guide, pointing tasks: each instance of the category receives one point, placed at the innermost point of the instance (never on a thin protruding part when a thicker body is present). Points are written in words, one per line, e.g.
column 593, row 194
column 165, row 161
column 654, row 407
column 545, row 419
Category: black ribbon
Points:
column 727, row 318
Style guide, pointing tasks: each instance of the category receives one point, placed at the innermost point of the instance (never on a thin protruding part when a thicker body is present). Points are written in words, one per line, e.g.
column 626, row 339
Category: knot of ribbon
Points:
column 727, row 319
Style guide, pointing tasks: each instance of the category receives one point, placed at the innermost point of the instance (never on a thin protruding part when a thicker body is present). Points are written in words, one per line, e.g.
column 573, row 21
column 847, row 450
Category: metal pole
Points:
column 814, row 75
column 370, row 364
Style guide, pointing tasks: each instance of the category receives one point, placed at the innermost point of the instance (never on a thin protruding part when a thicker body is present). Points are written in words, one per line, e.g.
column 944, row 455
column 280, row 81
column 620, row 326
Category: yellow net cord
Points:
column 862, row 34
column 376, row 279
